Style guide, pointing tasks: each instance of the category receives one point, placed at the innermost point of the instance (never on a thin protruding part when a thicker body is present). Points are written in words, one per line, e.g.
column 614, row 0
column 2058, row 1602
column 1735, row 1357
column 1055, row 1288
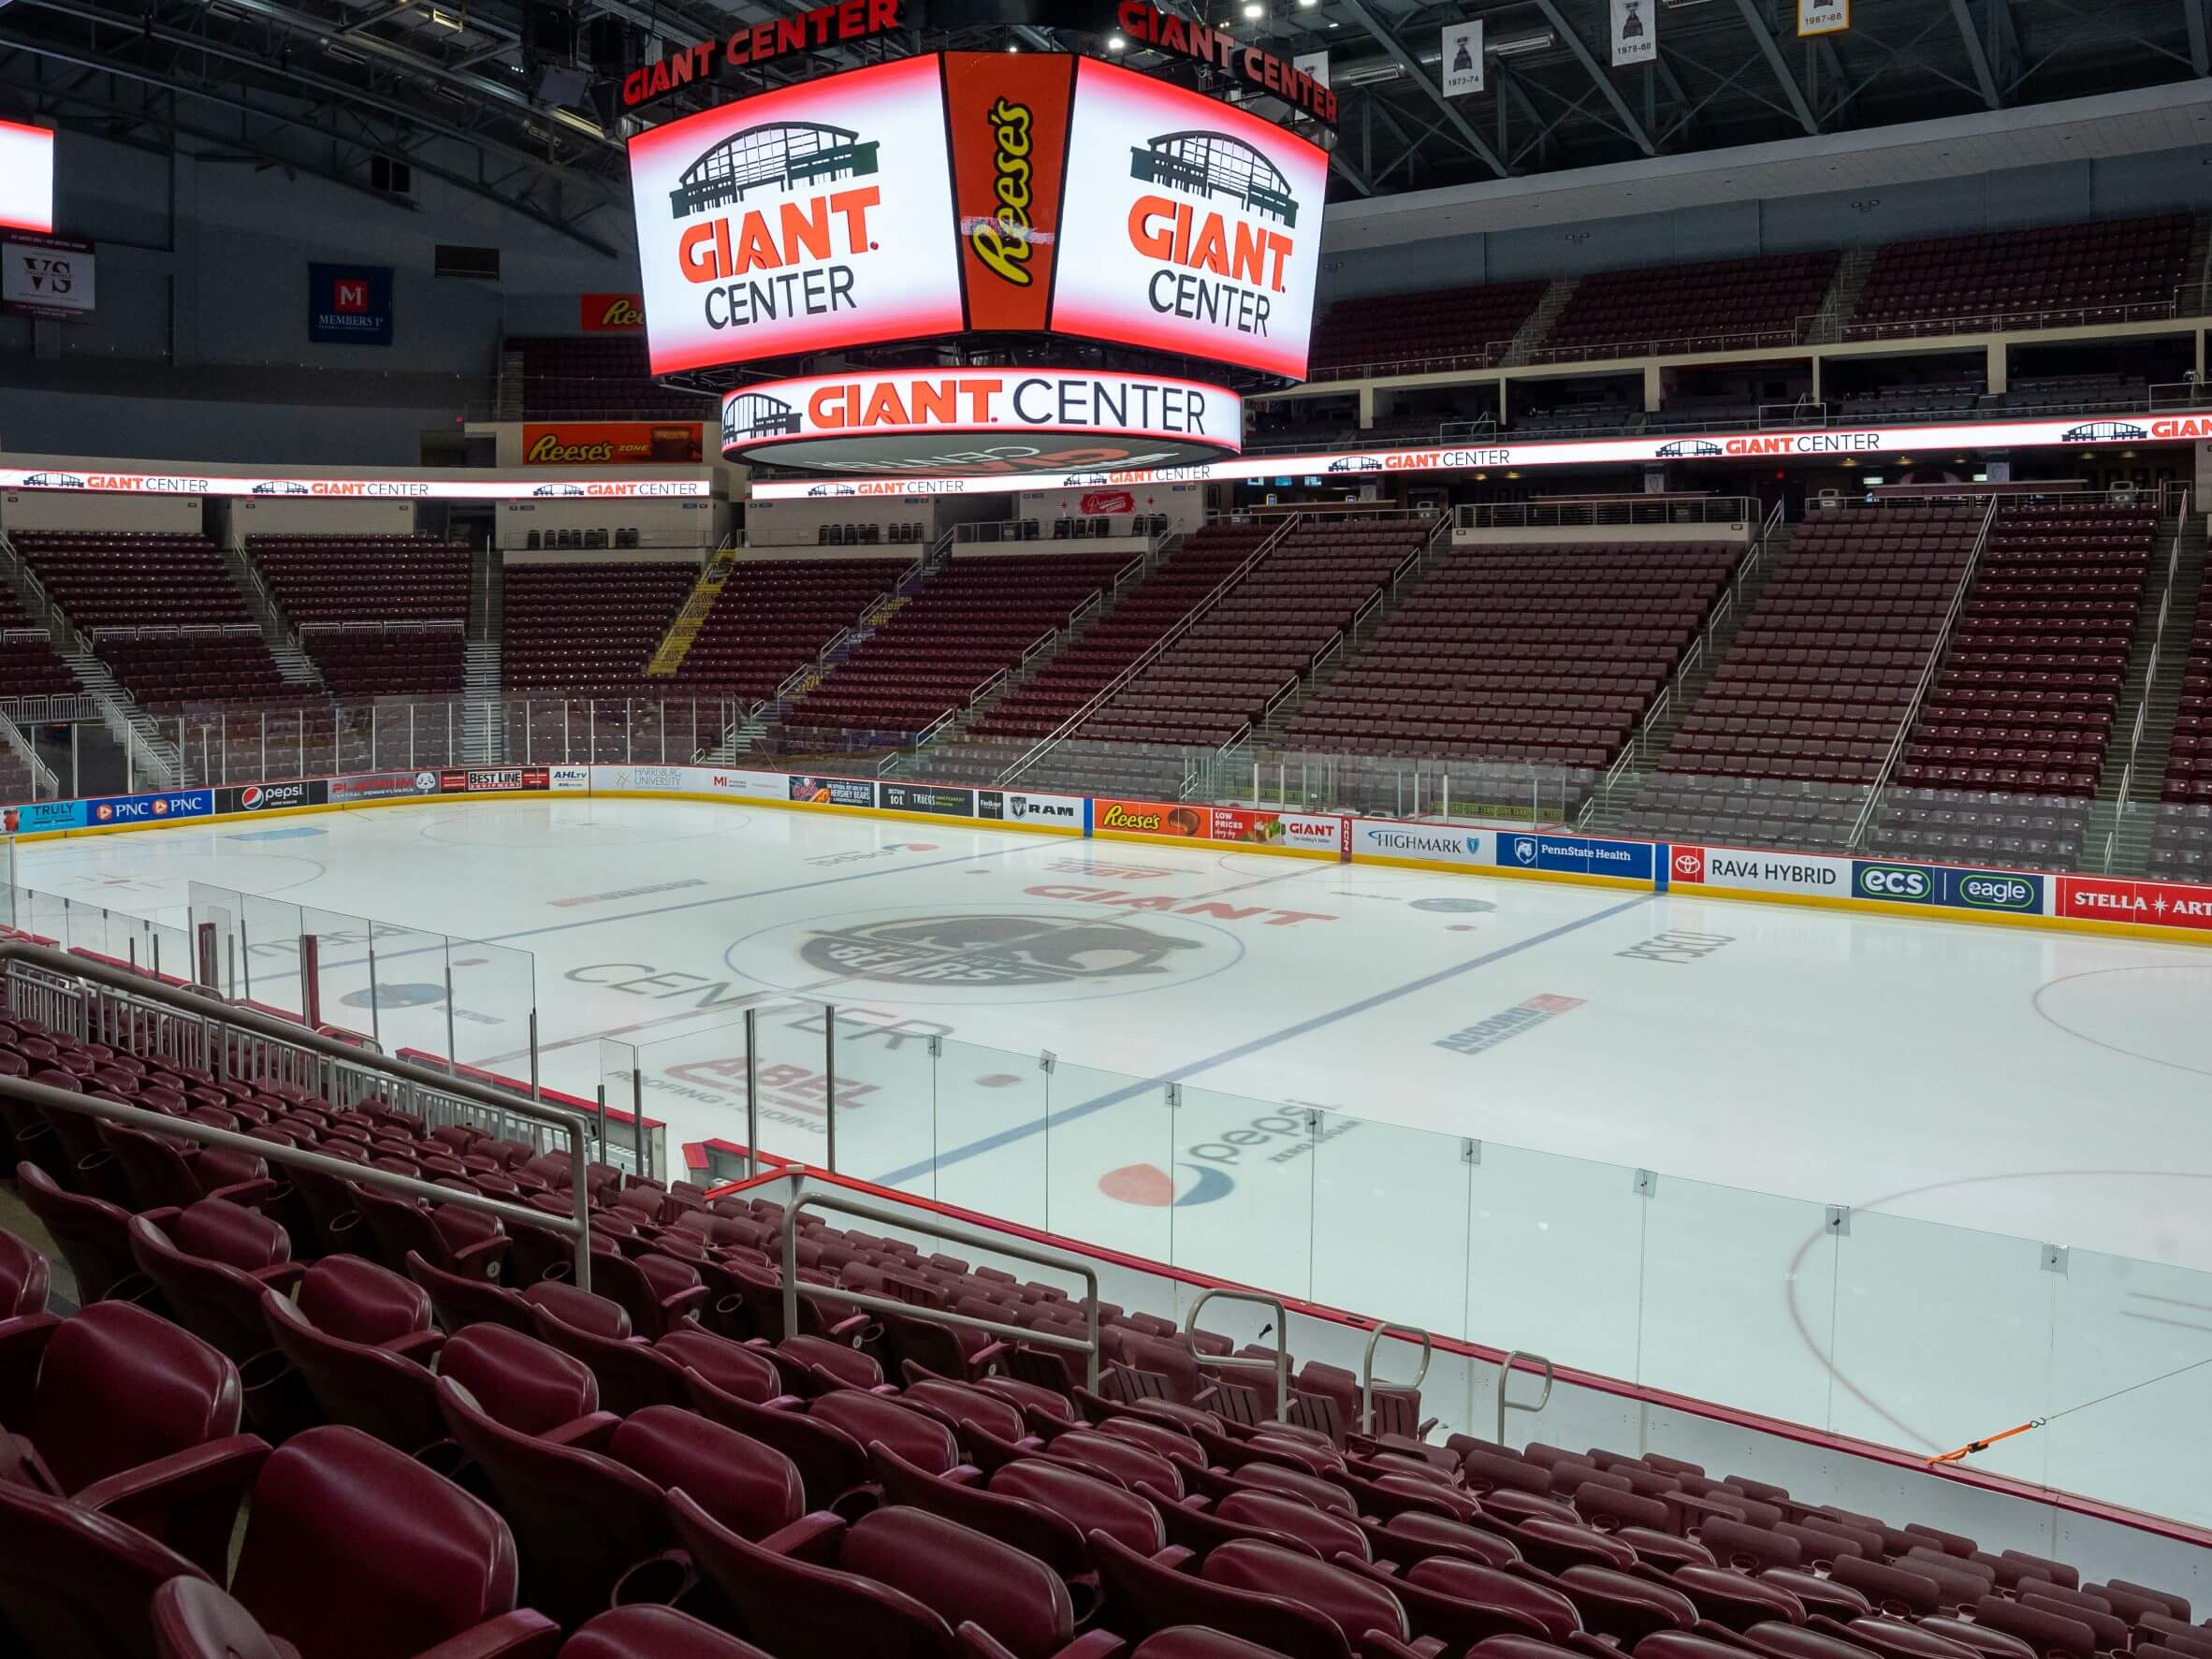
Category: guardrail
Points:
column 1625, row 510
column 1278, row 1367
column 2150, row 678
column 974, row 1239
column 1928, row 673
column 45, row 984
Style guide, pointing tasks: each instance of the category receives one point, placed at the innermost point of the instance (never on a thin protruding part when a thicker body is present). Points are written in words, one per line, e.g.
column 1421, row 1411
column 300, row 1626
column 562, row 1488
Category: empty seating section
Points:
column 774, row 614
column 2006, row 752
column 382, row 616
column 1441, row 325
column 591, row 377
column 1081, row 670
column 449, row 1448
column 1792, row 729
column 1542, row 654
column 1690, row 307
column 2092, row 273
column 972, row 618
column 1257, row 639
column 588, row 628
column 29, row 665
column 163, row 612
column 2181, row 838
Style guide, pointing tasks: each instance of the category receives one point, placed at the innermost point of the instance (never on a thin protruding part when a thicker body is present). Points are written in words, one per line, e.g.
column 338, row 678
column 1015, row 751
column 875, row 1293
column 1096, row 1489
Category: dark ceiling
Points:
column 326, row 87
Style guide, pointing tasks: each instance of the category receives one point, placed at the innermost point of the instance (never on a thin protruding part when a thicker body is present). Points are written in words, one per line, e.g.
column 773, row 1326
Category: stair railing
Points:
column 1151, row 653
column 2150, row 678
column 1927, row 674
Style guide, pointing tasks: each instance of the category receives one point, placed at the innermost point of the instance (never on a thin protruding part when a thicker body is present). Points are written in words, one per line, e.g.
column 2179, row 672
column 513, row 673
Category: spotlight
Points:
column 1115, row 43
column 1254, row 9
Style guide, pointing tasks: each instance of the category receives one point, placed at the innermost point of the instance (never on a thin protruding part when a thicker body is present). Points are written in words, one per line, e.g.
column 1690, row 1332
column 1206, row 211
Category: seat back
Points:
column 582, row 1520
column 357, row 1300
column 355, row 1383
column 527, row 1385
column 731, row 1367
column 651, row 1632
column 829, row 1461
column 1357, row 1605
column 354, row 1550
column 812, row 1611
column 965, row 1577
column 751, row 1489
column 22, row 1278
column 93, row 1234
column 457, row 1302
column 1145, row 1595
column 632, row 1377
column 1088, row 1503
column 919, row 1438
column 74, row 1583
column 212, row 1300
column 1030, row 1527
column 119, row 1386
column 155, row 1172
column 1470, row 1581
column 1328, row 1535
column 194, row 1618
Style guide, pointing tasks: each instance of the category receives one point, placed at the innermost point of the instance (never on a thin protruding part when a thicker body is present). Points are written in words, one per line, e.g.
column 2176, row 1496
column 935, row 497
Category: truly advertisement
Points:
column 1199, row 229
column 42, row 817
column 1577, row 855
column 814, row 216
column 927, row 797
column 1432, row 843
column 612, row 442
column 2148, row 904
column 1008, row 113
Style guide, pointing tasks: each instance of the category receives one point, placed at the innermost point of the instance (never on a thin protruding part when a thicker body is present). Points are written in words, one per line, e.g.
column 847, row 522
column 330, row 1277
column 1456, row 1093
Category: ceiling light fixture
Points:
column 1115, row 43
column 1527, row 43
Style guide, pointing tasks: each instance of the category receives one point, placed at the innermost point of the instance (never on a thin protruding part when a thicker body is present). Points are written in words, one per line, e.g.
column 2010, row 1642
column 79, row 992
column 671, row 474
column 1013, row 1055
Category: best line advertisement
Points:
column 1199, row 226
column 814, row 216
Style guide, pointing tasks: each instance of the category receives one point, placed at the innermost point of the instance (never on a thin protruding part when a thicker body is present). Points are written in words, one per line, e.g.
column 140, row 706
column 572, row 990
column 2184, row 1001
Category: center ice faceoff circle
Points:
column 949, row 953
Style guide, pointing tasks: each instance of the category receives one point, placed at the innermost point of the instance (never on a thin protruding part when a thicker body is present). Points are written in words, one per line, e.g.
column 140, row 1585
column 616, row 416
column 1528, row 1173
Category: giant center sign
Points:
column 1004, row 421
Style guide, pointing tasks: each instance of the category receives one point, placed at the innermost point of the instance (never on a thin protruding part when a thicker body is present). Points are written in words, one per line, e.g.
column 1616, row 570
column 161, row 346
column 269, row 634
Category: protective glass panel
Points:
column 7, row 903
column 991, row 1145
column 620, row 1095
column 269, row 949
column 695, row 1082
column 1943, row 1335
column 1760, row 1269
column 1390, row 1214
column 2131, row 1381
column 217, row 948
column 1110, row 1169
column 886, row 1128
column 494, row 992
column 1537, row 1222
column 409, row 1013
column 1243, row 1176
column 795, row 1083
column 337, row 977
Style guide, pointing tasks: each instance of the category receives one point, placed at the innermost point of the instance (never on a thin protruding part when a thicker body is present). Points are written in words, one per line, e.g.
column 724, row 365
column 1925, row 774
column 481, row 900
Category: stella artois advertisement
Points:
column 1195, row 227
column 814, row 216
column 611, row 443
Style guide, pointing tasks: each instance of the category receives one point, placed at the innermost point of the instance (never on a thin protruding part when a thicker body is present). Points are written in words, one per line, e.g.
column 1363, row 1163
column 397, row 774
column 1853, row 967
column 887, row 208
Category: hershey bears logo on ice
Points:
column 983, row 949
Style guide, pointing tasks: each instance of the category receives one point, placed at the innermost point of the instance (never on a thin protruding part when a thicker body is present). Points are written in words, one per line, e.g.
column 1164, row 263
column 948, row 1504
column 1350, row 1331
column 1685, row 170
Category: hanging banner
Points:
column 1313, row 64
column 1635, row 32
column 47, row 277
column 1823, row 17
column 1462, row 58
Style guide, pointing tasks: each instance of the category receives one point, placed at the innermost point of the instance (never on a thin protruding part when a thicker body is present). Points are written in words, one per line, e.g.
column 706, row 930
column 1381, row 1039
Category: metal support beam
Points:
column 1603, row 81
column 1764, row 36
column 2200, row 54
column 1411, row 66
column 1984, row 78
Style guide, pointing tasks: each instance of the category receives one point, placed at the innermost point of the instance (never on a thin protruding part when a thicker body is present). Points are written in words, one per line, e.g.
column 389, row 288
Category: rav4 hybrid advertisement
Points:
column 986, row 191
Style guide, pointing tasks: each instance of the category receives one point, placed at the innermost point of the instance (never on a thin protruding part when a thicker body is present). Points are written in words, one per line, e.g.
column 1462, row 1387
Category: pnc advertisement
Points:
column 1200, row 229
column 816, row 215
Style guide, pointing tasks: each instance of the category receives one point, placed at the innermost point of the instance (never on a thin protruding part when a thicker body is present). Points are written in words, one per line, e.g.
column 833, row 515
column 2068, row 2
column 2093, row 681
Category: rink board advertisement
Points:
column 1890, row 887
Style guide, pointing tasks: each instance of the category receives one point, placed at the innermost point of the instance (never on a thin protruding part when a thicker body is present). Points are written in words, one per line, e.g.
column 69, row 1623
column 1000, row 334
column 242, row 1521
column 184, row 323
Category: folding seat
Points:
column 360, row 1339
column 896, row 1583
column 212, row 1262
column 22, row 1279
column 632, row 1373
column 459, row 1302
column 654, row 1633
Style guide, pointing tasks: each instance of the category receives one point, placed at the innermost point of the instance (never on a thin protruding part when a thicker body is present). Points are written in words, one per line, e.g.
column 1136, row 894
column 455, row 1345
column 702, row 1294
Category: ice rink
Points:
column 1429, row 1096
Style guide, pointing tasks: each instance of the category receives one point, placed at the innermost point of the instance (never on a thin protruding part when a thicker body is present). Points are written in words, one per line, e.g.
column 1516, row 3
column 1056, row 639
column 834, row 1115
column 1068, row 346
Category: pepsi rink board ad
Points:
column 842, row 212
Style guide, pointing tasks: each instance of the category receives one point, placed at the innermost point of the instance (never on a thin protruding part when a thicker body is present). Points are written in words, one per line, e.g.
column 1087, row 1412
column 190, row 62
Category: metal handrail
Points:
column 2150, row 676
column 1367, row 1369
column 201, row 1004
column 1279, row 1366
column 1928, row 673
column 1598, row 510
column 44, row 1096
column 883, row 1215
column 1504, row 1380
column 1127, row 676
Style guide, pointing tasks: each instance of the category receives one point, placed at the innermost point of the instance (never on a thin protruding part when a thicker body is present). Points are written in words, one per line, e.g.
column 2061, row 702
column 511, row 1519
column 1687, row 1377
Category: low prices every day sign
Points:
column 1198, row 228
column 812, row 216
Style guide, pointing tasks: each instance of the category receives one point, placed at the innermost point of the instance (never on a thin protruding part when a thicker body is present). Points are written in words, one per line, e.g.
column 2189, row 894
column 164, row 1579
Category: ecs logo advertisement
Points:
column 1200, row 229
column 816, row 215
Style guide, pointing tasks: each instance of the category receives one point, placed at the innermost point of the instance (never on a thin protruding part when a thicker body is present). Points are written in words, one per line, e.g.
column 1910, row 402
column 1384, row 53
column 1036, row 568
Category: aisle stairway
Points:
column 483, row 725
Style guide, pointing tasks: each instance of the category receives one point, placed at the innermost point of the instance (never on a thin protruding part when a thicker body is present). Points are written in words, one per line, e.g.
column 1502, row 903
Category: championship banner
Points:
column 611, row 313
column 1635, row 32
column 1823, row 17
column 47, row 277
column 1462, row 58
column 612, row 442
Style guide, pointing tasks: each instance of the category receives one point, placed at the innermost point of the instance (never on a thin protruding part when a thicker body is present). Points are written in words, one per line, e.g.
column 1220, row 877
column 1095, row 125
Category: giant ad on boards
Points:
column 819, row 214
